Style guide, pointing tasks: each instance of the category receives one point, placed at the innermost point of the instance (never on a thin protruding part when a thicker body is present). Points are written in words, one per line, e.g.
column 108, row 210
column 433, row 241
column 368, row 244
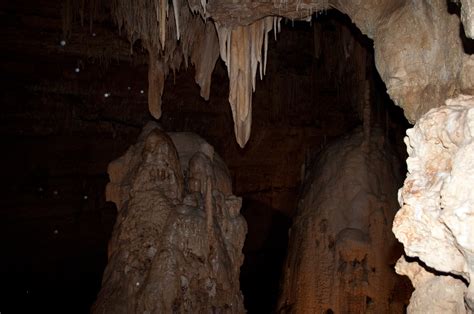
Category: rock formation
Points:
column 418, row 48
column 419, row 51
column 421, row 57
column 341, row 247
column 436, row 221
column 467, row 17
column 177, row 242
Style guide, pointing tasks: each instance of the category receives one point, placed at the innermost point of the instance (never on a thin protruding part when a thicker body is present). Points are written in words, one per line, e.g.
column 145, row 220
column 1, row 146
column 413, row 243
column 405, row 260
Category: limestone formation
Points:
column 171, row 36
column 436, row 221
column 177, row 242
column 467, row 17
column 241, row 49
column 419, row 55
column 418, row 47
column 341, row 247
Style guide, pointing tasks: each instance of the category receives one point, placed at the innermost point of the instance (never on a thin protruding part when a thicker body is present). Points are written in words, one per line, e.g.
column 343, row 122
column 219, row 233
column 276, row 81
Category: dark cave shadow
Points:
column 262, row 268
column 435, row 271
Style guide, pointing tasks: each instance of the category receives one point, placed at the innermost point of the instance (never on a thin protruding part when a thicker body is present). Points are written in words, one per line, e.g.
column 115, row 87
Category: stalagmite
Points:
column 341, row 247
column 177, row 242
column 435, row 223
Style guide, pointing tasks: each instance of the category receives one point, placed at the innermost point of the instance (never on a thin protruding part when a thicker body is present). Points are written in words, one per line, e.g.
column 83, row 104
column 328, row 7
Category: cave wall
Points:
column 435, row 222
column 58, row 134
column 341, row 248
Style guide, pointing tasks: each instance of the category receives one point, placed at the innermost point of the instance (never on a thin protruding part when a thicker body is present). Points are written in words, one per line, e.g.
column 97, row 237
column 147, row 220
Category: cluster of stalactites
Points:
column 147, row 20
column 171, row 37
column 241, row 50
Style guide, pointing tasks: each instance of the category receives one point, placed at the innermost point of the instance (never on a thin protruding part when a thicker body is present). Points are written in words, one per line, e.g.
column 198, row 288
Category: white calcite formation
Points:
column 436, row 221
column 467, row 17
column 341, row 249
column 177, row 242
column 241, row 49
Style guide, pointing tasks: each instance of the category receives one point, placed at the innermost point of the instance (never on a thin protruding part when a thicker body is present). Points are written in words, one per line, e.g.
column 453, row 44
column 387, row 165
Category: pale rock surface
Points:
column 434, row 293
column 467, row 17
column 436, row 221
column 419, row 54
column 177, row 242
column 341, row 247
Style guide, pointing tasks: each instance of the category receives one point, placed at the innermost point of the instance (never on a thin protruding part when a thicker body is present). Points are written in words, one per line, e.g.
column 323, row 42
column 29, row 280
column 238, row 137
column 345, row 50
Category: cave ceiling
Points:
column 418, row 45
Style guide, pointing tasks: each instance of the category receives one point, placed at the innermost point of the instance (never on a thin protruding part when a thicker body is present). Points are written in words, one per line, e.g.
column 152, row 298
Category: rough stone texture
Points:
column 467, row 17
column 176, row 245
column 434, row 293
column 341, row 246
column 419, row 55
column 436, row 221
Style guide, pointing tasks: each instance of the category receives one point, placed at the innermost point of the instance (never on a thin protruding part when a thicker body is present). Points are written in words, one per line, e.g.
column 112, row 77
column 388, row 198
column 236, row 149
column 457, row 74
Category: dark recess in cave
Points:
column 59, row 133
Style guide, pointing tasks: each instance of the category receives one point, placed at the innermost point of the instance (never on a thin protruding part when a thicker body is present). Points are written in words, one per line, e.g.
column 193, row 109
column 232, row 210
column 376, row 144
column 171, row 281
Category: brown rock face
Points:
column 176, row 245
column 341, row 246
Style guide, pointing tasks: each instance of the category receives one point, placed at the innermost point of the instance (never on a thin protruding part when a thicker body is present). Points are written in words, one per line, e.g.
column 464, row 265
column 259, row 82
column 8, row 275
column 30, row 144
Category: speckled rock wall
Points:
column 436, row 221
column 177, row 242
column 341, row 247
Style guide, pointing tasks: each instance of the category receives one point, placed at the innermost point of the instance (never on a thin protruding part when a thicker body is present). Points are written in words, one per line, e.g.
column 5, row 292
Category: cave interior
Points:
column 76, row 99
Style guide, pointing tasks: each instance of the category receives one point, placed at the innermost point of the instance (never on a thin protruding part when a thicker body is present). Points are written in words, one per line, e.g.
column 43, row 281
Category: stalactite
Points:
column 176, row 17
column 156, row 81
column 204, row 4
column 161, row 7
column 241, row 50
column 159, row 29
column 204, row 57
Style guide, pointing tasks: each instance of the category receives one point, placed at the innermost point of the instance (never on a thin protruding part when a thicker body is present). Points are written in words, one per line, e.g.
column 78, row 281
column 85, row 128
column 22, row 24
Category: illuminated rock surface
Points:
column 177, row 242
column 341, row 247
column 436, row 221
column 418, row 51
